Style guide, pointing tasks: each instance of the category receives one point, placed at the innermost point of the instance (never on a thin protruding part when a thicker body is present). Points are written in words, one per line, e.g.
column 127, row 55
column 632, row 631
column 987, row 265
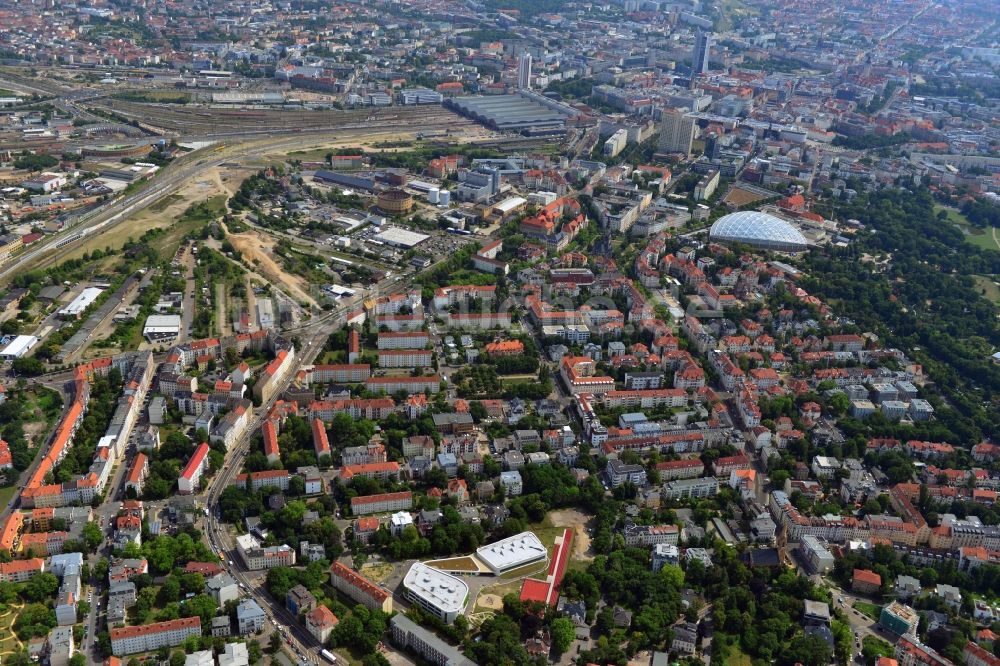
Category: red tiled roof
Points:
column 196, row 461
column 158, row 627
column 381, row 497
column 357, row 580
column 135, row 471
column 866, row 576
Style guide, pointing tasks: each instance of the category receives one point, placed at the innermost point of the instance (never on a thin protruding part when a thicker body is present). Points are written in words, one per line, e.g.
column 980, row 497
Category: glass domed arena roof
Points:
column 758, row 230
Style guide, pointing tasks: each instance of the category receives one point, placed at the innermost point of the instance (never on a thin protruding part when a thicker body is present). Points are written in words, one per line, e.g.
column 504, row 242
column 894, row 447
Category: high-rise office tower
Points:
column 712, row 146
column 676, row 132
column 524, row 71
column 699, row 57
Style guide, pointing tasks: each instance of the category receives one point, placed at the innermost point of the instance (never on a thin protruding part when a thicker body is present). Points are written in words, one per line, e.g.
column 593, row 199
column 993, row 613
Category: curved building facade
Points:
column 395, row 201
column 441, row 594
column 759, row 230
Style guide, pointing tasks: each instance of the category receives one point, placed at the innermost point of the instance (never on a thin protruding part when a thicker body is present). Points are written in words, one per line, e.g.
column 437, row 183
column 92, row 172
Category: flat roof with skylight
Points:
column 433, row 590
column 512, row 552
column 401, row 237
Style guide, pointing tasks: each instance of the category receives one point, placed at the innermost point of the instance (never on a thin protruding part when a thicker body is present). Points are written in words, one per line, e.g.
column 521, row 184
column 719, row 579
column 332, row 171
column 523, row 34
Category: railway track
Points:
column 186, row 120
column 229, row 150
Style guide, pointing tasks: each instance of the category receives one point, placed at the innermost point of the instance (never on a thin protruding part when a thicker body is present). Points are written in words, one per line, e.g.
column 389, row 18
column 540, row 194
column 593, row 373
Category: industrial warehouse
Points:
column 525, row 112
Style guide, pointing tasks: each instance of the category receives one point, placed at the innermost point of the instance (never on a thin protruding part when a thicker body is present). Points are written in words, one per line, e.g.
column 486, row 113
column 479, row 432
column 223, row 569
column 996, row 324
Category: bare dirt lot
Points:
column 257, row 249
column 221, row 182
column 377, row 571
column 578, row 521
column 491, row 601
column 741, row 197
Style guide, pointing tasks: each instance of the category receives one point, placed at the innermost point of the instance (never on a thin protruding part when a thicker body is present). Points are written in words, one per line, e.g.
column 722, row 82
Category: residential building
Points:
column 817, row 556
column 360, row 589
column 250, row 617
column 685, row 638
column 320, row 623
column 663, row 554
column 20, row 571
column 676, row 132
column 619, row 473
column 188, row 481
column 299, row 600
column 410, row 636
column 222, row 588
column 975, row 655
column 690, row 488
column 137, row 473
column 511, row 482
column 60, row 646
column 866, row 582
column 256, row 557
column 234, row 654
column 149, row 637
column 898, row 618
column 645, row 536
column 382, row 503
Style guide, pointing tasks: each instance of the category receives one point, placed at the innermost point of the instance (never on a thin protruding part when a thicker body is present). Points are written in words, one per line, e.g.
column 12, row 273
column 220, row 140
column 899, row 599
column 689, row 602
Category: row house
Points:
column 722, row 467
column 730, row 373
column 478, row 321
column 430, row 384
column 645, row 399
column 680, row 469
column 647, row 536
column 578, row 374
column 321, row 443
column 232, row 426
column 358, row 588
column 381, row 503
column 405, row 358
column 269, row 434
column 747, row 406
column 382, row 471
column 682, row 442
column 371, row 453
column 269, row 478
column 445, row 297
column 274, row 374
column 348, row 373
column 401, row 322
column 403, row 340
column 357, row 408
column 396, row 303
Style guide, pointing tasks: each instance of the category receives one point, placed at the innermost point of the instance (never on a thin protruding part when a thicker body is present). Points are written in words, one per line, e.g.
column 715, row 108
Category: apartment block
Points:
column 131, row 640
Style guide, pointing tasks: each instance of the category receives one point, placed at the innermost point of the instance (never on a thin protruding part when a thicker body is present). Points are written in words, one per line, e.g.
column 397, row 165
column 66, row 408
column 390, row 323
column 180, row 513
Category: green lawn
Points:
column 165, row 203
column 508, row 380
column 731, row 653
column 6, row 494
column 982, row 238
column 167, row 243
column 988, row 286
column 871, row 610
